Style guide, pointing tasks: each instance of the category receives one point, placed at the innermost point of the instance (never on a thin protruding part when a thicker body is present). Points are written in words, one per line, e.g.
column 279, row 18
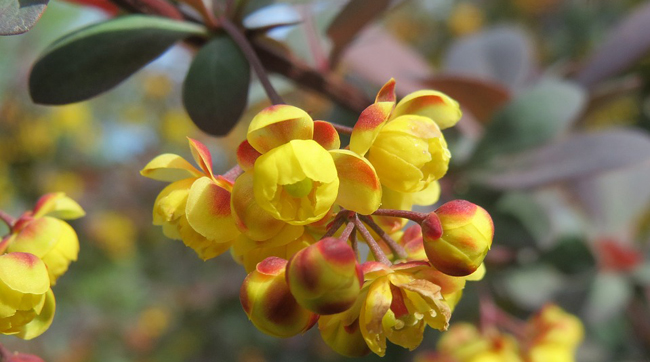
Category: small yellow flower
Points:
column 296, row 182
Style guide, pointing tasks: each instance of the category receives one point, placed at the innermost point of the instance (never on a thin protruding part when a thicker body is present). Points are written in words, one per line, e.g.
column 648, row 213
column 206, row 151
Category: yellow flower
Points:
column 27, row 303
column 296, row 182
column 195, row 207
column 40, row 232
column 396, row 305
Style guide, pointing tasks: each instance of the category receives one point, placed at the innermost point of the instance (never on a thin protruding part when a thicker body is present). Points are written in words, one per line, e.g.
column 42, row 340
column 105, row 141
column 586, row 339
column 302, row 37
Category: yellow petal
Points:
column 204, row 248
column 377, row 304
column 432, row 104
column 37, row 237
column 24, row 273
column 170, row 203
column 169, row 167
column 202, row 156
column 208, row 211
column 64, row 252
column 252, row 220
column 42, row 321
column 58, row 205
column 359, row 187
column 370, row 122
column 277, row 125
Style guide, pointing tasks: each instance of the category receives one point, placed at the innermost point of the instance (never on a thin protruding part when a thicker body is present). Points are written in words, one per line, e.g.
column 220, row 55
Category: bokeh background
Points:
column 553, row 143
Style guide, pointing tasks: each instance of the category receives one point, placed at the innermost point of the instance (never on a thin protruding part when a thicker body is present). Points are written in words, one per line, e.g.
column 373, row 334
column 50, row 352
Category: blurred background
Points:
column 553, row 143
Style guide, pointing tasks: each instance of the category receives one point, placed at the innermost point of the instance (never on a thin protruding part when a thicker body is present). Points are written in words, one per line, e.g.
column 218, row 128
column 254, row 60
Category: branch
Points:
column 399, row 251
column 372, row 244
column 251, row 56
column 328, row 85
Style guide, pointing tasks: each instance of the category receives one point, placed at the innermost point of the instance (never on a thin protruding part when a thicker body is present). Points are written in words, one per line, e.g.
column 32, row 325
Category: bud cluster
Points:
column 295, row 208
column 36, row 252
column 550, row 335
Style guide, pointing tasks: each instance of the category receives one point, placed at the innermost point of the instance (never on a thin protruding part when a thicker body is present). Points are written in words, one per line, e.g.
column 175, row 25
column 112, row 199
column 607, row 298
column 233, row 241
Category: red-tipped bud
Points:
column 267, row 301
column 325, row 277
column 458, row 237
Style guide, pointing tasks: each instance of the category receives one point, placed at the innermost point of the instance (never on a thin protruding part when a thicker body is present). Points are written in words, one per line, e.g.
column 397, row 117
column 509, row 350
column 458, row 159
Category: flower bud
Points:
column 552, row 325
column 267, row 301
column 458, row 241
column 345, row 339
column 325, row 277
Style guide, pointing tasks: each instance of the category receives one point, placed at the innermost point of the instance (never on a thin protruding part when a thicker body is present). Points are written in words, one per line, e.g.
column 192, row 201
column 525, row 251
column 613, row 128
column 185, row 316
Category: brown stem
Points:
column 8, row 219
column 335, row 225
column 342, row 129
column 372, row 244
column 405, row 214
column 255, row 62
column 151, row 7
column 327, row 84
column 397, row 249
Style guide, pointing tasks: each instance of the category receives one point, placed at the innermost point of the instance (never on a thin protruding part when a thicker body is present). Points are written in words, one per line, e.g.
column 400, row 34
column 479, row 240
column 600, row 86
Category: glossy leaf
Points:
column 96, row 58
column 215, row 91
column 535, row 117
column 18, row 16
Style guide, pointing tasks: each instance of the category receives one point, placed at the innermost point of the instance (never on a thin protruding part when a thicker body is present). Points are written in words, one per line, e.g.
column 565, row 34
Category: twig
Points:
column 372, row 244
column 255, row 62
column 394, row 246
column 335, row 225
column 341, row 128
column 327, row 84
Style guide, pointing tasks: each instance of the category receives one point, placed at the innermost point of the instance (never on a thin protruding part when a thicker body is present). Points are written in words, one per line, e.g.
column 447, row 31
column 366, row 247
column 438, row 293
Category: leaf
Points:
column 579, row 156
column 96, row 58
column 18, row 16
column 609, row 295
column 536, row 116
column 378, row 56
column 533, row 286
column 215, row 90
column 625, row 45
column 502, row 54
column 481, row 97
column 355, row 16
column 272, row 16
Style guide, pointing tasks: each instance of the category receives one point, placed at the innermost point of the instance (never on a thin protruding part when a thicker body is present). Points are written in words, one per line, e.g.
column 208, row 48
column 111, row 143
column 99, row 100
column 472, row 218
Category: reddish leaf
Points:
column 482, row 98
column 626, row 44
column 347, row 24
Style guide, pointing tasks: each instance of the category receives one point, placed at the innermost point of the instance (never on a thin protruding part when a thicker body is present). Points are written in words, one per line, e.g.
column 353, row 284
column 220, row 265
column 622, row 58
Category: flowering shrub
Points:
column 37, row 251
column 292, row 210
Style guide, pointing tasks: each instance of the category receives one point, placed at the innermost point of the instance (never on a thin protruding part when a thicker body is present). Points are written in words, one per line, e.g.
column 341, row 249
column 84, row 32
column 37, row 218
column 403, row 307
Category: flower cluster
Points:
column 37, row 251
column 550, row 335
column 293, row 209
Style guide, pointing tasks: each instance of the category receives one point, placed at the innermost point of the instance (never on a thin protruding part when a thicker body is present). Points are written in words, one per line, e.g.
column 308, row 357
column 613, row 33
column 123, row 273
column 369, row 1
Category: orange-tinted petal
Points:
column 246, row 156
column 202, row 156
column 325, row 134
column 359, row 186
column 432, row 104
column 169, row 167
column 208, row 211
column 277, row 125
column 368, row 126
column 387, row 92
column 58, row 205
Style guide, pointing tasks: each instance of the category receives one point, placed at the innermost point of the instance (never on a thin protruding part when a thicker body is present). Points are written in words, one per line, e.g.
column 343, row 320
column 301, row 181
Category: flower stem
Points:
column 246, row 48
column 349, row 229
column 353, row 242
column 405, row 214
column 8, row 219
column 342, row 129
column 335, row 225
column 372, row 244
column 394, row 246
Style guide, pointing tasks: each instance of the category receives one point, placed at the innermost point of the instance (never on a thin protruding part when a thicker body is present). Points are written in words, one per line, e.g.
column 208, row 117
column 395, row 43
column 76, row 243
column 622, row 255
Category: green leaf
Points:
column 96, row 58
column 608, row 298
column 215, row 90
column 18, row 16
column 533, row 118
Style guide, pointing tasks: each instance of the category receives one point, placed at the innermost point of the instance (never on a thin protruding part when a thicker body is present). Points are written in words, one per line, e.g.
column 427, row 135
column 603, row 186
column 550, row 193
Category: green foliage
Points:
column 95, row 59
column 216, row 87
